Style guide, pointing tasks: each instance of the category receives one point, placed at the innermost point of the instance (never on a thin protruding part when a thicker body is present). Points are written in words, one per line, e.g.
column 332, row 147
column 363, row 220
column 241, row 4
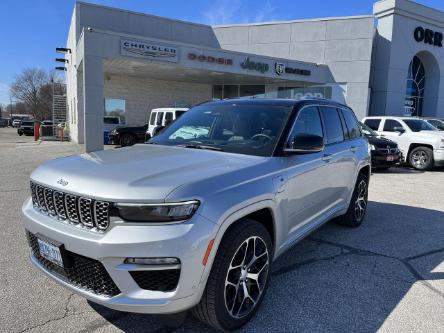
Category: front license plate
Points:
column 390, row 158
column 50, row 252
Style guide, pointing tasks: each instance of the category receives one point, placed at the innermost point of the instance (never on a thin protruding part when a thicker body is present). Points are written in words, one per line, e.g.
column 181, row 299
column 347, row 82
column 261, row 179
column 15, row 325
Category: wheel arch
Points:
column 416, row 145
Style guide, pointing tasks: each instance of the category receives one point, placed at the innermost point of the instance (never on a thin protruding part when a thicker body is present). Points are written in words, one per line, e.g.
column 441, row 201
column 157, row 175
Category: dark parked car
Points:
column 127, row 136
column 384, row 152
column 26, row 128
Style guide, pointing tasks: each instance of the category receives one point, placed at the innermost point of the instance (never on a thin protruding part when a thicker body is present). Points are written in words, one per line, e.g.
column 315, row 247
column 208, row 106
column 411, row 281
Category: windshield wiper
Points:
column 194, row 146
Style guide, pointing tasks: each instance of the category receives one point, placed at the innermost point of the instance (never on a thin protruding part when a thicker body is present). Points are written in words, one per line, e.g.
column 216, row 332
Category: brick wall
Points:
column 143, row 94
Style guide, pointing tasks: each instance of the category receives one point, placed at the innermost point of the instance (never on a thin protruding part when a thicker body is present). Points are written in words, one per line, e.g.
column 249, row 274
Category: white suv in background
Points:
column 421, row 144
column 159, row 118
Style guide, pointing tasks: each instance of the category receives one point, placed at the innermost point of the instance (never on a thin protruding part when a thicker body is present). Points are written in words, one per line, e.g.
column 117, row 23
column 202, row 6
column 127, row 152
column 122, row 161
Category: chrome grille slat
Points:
column 92, row 214
column 49, row 200
column 85, row 209
column 101, row 214
column 59, row 202
column 71, row 208
column 41, row 197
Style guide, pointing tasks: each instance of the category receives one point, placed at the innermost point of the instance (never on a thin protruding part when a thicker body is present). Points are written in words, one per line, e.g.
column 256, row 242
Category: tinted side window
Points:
column 332, row 124
column 373, row 123
column 159, row 118
column 168, row 116
column 307, row 122
column 152, row 118
column 351, row 123
column 390, row 124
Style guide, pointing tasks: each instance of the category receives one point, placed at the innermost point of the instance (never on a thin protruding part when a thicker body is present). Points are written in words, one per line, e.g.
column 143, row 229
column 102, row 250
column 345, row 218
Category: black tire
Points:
column 20, row 133
column 358, row 204
column 421, row 158
column 127, row 140
column 213, row 307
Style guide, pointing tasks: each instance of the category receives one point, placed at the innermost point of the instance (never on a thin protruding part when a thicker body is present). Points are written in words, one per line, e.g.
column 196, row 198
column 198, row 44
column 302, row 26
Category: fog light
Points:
column 152, row 261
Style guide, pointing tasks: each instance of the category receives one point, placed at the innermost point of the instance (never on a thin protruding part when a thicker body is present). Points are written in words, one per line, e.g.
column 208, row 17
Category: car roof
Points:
column 276, row 102
column 392, row 117
column 169, row 109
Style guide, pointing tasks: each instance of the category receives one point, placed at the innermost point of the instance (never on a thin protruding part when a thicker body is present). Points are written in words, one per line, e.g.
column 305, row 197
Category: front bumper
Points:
column 186, row 241
column 379, row 160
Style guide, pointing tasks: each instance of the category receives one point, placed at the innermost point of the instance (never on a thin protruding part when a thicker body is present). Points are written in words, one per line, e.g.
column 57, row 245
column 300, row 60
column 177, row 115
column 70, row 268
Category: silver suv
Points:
column 195, row 218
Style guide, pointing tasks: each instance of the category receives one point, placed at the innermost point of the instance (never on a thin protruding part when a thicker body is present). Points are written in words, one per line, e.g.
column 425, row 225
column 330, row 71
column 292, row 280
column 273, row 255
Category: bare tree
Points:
column 33, row 88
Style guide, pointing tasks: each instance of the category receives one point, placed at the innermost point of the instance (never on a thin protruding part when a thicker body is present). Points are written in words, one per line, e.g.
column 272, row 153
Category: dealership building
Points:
column 123, row 64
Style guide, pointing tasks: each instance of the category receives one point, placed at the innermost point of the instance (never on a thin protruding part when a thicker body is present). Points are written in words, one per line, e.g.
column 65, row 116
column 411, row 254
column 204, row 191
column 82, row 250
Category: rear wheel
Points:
column 127, row 140
column 358, row 204
column 421, row 158
column 238, row 278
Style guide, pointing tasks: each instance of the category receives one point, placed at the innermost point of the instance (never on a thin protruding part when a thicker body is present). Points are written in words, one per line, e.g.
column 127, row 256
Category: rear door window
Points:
column 390, row 124
column 332, row 125
column 373, row 123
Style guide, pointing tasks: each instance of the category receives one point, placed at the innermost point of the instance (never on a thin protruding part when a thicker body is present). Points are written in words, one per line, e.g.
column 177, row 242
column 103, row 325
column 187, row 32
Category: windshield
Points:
column 27, row 123
column 418, row 125
column 367, row 130
column 111, row 120
column 241, row 129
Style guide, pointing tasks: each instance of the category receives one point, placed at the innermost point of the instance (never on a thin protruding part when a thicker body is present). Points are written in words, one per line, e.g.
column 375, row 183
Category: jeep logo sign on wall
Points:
column 428, row 36
column 255, row 66
column 148, row 50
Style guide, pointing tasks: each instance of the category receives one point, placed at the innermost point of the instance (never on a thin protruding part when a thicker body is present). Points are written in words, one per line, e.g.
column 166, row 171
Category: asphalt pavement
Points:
column 386, row 276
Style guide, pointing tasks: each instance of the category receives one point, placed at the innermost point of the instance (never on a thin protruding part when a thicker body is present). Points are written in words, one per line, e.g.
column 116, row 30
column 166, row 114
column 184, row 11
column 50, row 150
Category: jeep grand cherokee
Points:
column 195, row 218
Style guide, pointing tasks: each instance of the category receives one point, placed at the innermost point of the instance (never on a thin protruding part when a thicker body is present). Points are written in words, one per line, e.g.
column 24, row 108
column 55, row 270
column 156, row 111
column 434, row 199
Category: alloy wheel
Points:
column 246, row 277
column 419, row 159
column 361, row 201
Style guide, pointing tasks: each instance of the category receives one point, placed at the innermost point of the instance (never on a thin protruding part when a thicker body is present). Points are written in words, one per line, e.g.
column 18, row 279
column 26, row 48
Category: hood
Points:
column 380, row 141
column 141, row 173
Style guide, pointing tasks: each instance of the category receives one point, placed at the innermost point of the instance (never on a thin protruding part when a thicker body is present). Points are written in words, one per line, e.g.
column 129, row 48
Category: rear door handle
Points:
column 326, row 157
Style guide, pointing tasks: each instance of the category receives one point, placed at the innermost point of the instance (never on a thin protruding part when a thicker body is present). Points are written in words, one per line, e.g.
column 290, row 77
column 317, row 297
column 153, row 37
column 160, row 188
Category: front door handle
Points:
column 353, row 149
column 326, row 158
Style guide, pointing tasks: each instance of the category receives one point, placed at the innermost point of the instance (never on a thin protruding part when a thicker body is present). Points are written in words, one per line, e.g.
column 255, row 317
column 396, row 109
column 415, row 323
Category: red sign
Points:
column 210, row 59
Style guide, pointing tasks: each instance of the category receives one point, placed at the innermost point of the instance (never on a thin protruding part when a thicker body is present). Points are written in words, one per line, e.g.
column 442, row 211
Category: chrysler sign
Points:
column 149, row 50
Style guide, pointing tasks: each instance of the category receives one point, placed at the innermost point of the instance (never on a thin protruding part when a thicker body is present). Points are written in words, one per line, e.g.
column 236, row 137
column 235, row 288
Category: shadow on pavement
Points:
column 338, row 279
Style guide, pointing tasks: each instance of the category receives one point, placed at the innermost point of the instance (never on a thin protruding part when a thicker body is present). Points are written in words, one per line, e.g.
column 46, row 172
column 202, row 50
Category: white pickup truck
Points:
column 421, row 144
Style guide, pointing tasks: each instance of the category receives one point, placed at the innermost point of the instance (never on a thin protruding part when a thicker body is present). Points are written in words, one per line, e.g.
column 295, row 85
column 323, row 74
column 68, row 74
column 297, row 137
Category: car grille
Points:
column 388, row 150
column 78, row 210
column 158, row 280
column 85, row 273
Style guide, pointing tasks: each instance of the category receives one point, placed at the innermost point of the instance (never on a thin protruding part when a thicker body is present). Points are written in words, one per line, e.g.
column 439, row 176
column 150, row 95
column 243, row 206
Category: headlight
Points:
column 168, row 212
column 113, row 132
column 372, row 147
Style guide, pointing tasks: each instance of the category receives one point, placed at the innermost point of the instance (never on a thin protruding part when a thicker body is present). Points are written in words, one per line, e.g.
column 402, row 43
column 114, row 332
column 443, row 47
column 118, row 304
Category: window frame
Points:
column 347, row 134
column 379, row 124
column 344, row 138
column 290, row 131
column 389, row 119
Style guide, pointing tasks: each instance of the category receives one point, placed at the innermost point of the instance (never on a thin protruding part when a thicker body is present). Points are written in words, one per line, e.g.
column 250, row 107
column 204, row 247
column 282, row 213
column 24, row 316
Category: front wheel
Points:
column 358, row 204
column 127, row 140
column 238, row 278
column 421, row 158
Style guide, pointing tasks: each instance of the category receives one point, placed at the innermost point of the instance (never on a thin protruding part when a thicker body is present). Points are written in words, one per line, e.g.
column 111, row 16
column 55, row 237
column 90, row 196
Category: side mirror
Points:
column 305, row 144
column 399, row 129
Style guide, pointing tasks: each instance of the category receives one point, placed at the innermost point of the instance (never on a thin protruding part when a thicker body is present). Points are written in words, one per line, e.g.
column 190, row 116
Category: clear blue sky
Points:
column 31, row 29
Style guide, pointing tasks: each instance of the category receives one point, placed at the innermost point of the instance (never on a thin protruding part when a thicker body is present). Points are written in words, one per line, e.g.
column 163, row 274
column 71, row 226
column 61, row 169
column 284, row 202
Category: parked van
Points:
column 162, row 117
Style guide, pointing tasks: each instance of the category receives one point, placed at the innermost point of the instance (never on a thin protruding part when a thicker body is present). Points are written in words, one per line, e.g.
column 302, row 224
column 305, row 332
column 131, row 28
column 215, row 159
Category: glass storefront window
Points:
column 414, row 96
column 115, row 108
column 231, row 91
column 218, row 92
column 251, row 91
column 305, row 92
